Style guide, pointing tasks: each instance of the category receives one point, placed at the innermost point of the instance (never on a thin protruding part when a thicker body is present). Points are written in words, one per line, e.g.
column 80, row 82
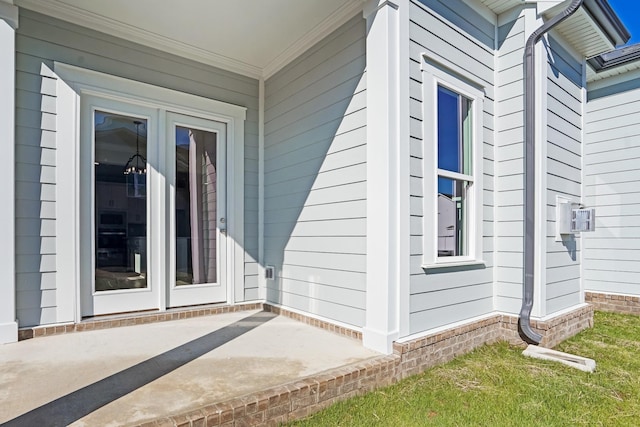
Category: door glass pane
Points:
column 452, row 211
column 196, row 206
column 120, row 202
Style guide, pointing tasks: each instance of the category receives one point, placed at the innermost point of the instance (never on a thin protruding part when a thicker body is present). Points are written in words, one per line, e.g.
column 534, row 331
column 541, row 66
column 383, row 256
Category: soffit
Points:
column 591, row 30
column 252, row 37
column 584, row 35
column 500, row 6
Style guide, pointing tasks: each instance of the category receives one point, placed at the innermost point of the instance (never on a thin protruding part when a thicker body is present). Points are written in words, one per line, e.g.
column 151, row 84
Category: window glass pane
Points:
column 452, row 217
column 196, row 206
column 454, row 132
column 120, row 202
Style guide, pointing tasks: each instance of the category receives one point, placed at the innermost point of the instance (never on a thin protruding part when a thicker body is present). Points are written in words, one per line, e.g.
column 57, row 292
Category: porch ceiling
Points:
column 251, row 37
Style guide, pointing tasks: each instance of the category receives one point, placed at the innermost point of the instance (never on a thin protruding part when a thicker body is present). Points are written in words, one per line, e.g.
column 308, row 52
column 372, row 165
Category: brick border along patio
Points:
column 301, row 398
column 624, row 304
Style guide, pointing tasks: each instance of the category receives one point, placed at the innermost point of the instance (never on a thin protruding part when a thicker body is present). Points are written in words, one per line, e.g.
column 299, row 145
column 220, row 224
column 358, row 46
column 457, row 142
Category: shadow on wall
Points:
column 35, row 195
column 315, row 177
column 571, row 245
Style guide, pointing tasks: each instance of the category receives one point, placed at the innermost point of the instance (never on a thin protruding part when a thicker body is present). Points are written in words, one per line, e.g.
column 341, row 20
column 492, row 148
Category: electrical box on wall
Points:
column 571, row 218
column 269, row 272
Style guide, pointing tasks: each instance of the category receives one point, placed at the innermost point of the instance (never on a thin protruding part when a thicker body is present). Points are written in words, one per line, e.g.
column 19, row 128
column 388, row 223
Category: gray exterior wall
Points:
column 40, row 41
column 564, row 174
column 612, row 176
column 451, row 33
column 562, row 165
column 315, row 178
column 509, row 165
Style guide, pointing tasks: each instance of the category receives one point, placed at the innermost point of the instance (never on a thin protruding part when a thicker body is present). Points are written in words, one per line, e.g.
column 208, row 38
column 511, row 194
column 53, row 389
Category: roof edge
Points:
column 615, row 58
column 607, row 19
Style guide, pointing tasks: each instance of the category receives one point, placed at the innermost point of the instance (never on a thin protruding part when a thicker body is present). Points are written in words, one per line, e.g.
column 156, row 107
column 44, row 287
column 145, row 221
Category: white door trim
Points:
column 74, row 83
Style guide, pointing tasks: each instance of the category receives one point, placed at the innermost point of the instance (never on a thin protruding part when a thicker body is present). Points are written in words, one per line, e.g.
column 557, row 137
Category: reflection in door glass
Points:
column 196, row 206
column 120, row 202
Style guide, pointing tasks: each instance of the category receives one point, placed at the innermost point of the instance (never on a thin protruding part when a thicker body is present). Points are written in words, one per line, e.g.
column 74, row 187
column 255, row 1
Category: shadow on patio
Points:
column 139, row 373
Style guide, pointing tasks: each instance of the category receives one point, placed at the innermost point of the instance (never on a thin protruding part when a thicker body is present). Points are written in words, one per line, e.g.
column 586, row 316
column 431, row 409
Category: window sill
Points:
column 457, row 265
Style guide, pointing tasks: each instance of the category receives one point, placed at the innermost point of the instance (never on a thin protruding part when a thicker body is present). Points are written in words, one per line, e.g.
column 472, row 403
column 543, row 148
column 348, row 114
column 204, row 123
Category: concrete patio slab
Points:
column 132, row 374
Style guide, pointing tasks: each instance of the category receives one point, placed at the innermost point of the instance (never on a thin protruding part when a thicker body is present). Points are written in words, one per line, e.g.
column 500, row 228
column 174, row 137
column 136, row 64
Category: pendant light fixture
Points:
column 137, row 164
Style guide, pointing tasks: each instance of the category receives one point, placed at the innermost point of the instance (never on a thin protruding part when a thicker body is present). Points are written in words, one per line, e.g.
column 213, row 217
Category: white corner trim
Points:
column 320, row 31
column 372, row 6
column 262, row 281
column 384, row 139
column 379, row 341
column 66, row 12
column 8, row 332
column 8, row 325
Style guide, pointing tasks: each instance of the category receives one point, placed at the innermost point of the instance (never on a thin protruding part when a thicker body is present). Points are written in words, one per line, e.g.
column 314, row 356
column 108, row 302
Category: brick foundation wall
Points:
column 553, row 331
column 311, row 394
column 341, row 330
column 133, row 319
column 625, row 304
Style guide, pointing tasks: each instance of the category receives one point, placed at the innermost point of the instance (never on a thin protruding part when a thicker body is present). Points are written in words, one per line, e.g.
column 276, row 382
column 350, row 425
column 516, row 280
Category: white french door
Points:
column 153, row 220
column 121, row 181
column 196, row 173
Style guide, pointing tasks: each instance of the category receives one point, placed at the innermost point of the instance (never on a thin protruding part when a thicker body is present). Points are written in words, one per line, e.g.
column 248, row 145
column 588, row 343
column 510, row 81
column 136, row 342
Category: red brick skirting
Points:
column 553, row 331
column 625, row 304
column 301, row 398
column 133, row 319
column 341, row 330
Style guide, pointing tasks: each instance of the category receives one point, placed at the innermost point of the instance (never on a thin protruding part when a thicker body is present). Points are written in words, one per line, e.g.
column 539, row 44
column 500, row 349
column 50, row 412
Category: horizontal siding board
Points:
column 461, row 15
column 340, row 141
column 325, row 276
column 285, row 82
column 431, row 319
column 315, row 178
column 563, row 302
column 342, row 313
column 36, row 281
column 320, row 292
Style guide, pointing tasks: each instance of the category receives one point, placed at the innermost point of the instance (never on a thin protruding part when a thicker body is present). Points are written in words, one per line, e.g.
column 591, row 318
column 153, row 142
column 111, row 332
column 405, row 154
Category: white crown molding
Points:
column 60, row 10
column 9, row 13
column 331, row 23
column 66, row 12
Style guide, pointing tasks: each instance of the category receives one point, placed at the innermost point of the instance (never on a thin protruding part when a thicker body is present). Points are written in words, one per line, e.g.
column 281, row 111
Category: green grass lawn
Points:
column 497, row 386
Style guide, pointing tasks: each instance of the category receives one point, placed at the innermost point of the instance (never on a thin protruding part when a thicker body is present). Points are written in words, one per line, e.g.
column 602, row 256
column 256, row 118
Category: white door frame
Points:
column 76, row 83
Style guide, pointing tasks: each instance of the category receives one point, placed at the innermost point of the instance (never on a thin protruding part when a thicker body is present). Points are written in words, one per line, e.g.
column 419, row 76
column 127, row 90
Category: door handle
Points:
column 223, row 225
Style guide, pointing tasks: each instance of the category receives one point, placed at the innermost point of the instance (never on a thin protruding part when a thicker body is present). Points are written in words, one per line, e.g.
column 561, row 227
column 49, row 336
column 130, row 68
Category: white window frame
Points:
column 435, row 75
column 73, row 85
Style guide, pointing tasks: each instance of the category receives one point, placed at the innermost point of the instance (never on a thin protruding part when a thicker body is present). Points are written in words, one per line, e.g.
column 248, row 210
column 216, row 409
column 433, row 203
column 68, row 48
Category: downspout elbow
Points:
column 529, row 170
